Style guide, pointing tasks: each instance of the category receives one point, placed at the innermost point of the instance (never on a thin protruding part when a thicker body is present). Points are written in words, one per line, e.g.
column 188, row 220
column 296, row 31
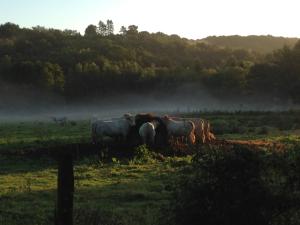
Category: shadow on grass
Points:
column 15, row 165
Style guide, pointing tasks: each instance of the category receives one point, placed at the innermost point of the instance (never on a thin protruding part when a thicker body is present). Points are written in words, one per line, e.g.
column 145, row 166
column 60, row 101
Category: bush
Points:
column 231, row 187
column 142, row 155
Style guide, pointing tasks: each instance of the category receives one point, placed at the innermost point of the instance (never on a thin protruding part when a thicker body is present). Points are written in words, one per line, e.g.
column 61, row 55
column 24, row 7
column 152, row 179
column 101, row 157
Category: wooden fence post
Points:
column 65, row 190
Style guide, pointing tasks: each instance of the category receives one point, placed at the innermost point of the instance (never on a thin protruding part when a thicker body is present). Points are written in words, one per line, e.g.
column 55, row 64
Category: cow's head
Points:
column 130, row 118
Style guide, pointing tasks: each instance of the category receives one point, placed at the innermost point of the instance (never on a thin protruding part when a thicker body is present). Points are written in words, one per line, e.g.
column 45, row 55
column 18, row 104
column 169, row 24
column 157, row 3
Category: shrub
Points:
column 230, row 187
column 142, row 155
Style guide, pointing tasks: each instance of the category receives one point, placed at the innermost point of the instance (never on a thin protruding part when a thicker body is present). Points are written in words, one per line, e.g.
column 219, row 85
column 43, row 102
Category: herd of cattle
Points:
column 152, row 130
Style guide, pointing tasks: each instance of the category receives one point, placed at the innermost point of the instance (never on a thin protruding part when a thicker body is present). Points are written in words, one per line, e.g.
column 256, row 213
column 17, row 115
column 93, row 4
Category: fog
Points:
column 16, row 104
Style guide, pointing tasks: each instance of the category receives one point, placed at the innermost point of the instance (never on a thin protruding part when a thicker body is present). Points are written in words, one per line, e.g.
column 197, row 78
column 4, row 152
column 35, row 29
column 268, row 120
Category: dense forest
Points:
column 103, row 62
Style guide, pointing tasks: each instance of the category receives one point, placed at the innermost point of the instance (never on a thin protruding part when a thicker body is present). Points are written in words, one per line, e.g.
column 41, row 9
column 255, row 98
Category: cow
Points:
column 142, row 118
column 148, row 131
column 202, row 129
column 161, row 137
column 116, row 129
column 180, row 129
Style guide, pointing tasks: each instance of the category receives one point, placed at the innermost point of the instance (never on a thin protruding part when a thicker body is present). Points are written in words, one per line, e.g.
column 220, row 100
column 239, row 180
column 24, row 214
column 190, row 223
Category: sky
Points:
column 193, row 19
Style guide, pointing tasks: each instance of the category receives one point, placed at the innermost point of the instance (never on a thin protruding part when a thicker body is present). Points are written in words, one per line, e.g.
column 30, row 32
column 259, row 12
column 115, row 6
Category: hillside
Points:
column 40, row 62
column 262, row 44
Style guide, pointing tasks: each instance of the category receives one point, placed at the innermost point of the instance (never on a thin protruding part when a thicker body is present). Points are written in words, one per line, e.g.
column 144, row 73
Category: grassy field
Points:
column 117, row 189
column 132, row 190
column 34, row 135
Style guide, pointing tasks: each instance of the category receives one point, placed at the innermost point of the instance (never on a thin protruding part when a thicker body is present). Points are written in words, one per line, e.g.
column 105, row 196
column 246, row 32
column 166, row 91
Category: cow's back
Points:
column 147, row 133
column 180, row 127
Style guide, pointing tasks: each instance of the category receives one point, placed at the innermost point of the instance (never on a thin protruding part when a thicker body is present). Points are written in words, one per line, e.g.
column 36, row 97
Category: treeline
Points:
column 262, row 43
column 103, row 63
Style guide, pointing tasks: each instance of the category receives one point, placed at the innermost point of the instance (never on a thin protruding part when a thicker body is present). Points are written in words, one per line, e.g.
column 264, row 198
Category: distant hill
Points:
column 262, row 44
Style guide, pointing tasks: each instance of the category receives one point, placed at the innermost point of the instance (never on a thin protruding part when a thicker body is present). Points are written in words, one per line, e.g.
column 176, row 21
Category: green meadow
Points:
column 111, row 188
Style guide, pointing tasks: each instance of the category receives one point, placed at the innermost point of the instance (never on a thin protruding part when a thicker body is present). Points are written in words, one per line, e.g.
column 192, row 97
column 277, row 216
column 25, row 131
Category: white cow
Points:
column 179, row 129
column 147, row 132
column 116, row 129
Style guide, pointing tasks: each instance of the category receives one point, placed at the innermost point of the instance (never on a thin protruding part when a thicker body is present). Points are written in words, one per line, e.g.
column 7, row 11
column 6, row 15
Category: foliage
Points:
column 239, row 186
column 100, row 62
column 142, row 155
column 262, row 44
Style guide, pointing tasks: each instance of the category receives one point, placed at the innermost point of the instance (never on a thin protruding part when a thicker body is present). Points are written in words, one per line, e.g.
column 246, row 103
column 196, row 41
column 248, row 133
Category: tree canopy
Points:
column 101, row 63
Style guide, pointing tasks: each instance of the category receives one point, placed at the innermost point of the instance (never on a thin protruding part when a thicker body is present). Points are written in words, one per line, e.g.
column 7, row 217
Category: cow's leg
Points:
column 100, row 142
column 203, row 137
column 171, row 139
column 176, row 140
column 152, row 141
column 208, row 131
column 93, row 139
column 191, row 139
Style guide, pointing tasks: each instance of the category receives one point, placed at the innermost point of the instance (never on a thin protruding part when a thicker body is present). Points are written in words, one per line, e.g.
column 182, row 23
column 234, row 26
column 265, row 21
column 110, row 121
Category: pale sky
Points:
column 192, row 19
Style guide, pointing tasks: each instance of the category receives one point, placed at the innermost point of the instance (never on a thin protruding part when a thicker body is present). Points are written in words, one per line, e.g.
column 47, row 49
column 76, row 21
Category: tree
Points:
column 123, row 30
column 5, row 66
column 40, row 29
column 139, row 59
column 90, row 31
column 132, row 30
column 52, row 76
column 102, row 28
column 71, row 32
column 9, row 29
column 110, row 27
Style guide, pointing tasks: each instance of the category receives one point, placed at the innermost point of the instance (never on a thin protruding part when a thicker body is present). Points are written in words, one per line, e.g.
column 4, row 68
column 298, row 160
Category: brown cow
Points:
column 202, row 130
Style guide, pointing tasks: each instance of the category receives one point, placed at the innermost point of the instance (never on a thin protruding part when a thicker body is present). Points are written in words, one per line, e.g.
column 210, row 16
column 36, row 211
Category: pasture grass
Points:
column 229, row 125
column 130, row 190
column 251, row 122
column 24, row 135
column 268, row 126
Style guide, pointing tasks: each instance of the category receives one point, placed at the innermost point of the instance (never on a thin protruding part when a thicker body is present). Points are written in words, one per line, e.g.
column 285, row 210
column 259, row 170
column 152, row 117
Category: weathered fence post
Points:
column 65, row 190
